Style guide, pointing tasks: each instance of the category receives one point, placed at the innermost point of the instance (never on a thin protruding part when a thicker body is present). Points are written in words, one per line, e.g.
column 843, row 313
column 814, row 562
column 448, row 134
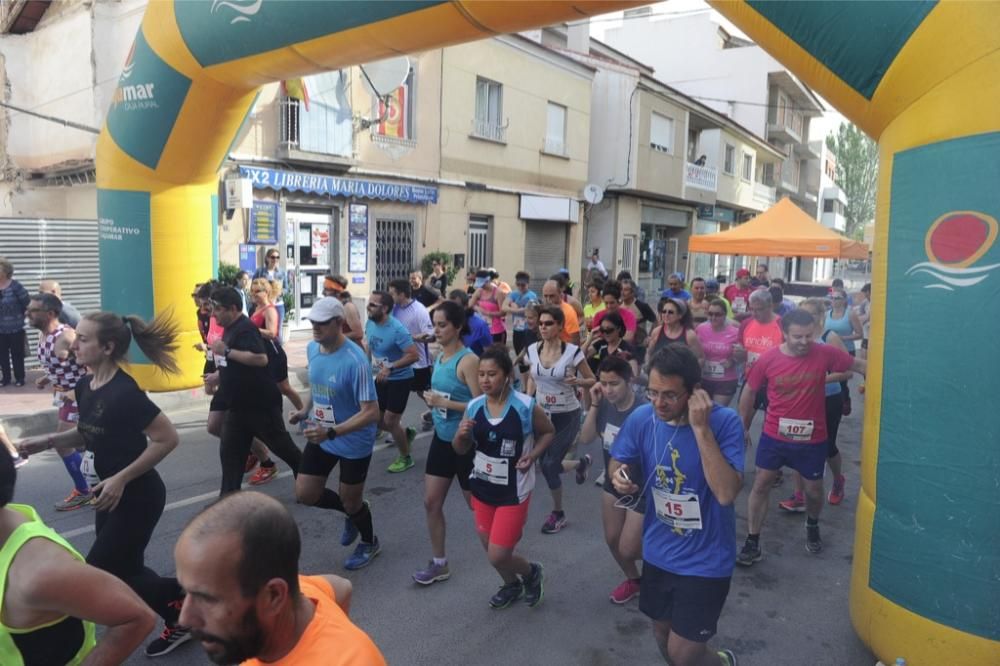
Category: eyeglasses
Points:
column 607, row 331
column 669, row 312
column 546, row 322
column 667, row 396
column 272, row 256
column 839, row 298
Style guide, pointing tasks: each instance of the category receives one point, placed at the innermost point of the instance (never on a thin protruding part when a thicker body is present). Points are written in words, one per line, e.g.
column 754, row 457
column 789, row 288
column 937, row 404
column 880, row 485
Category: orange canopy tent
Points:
column 784, row 230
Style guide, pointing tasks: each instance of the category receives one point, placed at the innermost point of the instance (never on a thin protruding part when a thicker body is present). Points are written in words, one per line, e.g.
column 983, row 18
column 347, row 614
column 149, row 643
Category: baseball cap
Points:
column 742, row 273
column 564, row 271
column 326, row 309
column 712, row 283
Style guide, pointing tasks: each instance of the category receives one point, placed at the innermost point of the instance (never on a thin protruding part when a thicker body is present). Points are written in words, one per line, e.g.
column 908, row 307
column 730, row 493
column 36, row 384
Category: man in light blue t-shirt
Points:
column 684, row 454
column 516, row 303
column 340, row 418
column 393, row 353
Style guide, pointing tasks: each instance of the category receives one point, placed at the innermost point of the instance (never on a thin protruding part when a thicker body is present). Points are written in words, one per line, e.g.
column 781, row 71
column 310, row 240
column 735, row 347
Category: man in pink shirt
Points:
column 738, row 295
column 794, row 432
column 612, row 295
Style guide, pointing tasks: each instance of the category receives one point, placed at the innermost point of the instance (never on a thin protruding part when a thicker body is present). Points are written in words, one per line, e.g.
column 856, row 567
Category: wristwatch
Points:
column 225, row 354
column 330, row 433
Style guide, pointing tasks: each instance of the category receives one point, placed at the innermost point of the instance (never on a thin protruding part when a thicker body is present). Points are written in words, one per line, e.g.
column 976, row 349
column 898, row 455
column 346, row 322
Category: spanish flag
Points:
column 296, row 89
column 394, row 115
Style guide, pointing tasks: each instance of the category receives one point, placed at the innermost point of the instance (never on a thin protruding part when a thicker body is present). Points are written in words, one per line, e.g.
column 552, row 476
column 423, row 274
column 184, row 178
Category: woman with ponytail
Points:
column 128, row 436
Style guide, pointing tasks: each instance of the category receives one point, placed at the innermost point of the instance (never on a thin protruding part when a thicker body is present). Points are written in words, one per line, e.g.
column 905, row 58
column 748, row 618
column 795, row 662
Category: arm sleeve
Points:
column 138, row 409
column 626, row 446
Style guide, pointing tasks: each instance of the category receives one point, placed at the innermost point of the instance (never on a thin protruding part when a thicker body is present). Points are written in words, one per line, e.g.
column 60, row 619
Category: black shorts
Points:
column 443, row 461
column 499, row 338
column 219, row 403
column 691, row 604
column 421, row 379
column 393, row 395
column 317, row 462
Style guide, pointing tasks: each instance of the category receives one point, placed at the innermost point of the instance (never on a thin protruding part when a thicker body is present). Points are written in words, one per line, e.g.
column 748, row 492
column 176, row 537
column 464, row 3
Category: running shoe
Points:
column 750, row 553
column 263, row 475
column 169, row 640
column 19, row 382
column 19, row 462
column 400, row 464
column 350, row 532
column 727, row 656
column 506, row 595
column 74, row 501
column 814, row 544
column 432, row 574
column 533, row 588
column 582, row 468
column 554, row 523
column 363, row 555
column 250, row 464
column 794, row 504
column 625, row 592
column 836, row 495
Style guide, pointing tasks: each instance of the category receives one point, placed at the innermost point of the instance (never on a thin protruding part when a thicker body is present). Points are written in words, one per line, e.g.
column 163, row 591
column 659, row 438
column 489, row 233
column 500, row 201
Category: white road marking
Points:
column 204, row 497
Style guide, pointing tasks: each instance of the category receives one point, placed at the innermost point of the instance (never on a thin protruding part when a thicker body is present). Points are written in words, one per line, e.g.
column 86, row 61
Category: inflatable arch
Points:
column 921, row 77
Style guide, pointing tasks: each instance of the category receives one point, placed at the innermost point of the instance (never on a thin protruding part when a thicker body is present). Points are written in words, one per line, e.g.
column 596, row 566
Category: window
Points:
column 628, row 252
column 729, row 166
column 747, row 173
column 828, row 205
column 661, row 133
column 480, row 245
column 488, row 123
column 692, row 145
column 555, row 129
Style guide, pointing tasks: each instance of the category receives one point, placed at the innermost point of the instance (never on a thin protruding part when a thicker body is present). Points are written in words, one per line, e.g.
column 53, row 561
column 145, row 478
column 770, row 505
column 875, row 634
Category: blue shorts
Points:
column 808, row 460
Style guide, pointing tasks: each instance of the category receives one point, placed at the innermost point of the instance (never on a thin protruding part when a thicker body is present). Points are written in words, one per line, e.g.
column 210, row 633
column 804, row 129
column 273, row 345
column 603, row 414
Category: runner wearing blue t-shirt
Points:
column 340, row 418
column 392, row 353
column 690, row 453
column 516, row 303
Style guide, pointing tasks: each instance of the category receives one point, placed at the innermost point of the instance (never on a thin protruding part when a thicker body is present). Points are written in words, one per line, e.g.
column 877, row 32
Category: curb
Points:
column 45, row 421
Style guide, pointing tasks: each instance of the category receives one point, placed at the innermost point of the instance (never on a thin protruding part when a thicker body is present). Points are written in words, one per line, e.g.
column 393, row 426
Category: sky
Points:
column 819, row 128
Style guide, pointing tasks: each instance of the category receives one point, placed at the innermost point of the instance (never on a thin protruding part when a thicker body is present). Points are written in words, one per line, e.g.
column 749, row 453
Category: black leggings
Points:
column 834, row 412
column 122, row 537
column 238, row 430
column 12, row 353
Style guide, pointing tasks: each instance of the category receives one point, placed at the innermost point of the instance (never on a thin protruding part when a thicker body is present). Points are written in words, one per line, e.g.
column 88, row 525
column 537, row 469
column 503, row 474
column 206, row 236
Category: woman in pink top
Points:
column 719, row 340
column 487, row 300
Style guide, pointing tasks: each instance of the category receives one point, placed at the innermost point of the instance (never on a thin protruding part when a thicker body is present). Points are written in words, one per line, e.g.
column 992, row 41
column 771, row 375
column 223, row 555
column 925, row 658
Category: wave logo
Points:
column 244, row 9
column 953, row 243
column 129, row 64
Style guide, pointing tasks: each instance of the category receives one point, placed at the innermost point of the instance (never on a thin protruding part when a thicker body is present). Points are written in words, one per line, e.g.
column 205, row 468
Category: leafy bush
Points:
column 289, row 301
column 227, row 273
column 444, row 258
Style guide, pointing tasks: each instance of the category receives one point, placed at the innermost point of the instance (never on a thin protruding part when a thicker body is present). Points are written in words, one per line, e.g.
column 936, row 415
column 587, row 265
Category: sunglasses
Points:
column 546, row 322
column 273, row 256
column 669, row 312
column 608, row 330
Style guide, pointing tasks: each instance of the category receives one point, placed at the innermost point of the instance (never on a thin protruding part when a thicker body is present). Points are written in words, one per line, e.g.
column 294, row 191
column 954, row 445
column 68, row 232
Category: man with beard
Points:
column 246, row 603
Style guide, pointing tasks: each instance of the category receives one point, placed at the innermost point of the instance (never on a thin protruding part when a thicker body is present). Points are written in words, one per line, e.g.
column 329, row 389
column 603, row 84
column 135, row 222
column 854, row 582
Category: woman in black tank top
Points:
column 677, row 327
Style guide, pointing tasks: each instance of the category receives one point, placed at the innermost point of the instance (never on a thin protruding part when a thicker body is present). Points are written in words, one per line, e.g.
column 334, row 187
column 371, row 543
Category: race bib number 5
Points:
column 680, row 511
column 491, row 470
column 796, row 430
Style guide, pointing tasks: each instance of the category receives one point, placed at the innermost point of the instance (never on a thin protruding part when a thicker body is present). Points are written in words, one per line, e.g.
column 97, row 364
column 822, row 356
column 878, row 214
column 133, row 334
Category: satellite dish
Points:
column 593, row 194
column 384, row 76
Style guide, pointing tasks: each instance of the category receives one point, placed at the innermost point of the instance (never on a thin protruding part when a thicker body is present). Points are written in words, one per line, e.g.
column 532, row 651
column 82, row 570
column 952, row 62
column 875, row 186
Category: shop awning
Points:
column 784, row 230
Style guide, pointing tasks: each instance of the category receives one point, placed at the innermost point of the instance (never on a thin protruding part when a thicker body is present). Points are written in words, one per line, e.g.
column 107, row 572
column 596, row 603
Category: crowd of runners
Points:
column 512, row 382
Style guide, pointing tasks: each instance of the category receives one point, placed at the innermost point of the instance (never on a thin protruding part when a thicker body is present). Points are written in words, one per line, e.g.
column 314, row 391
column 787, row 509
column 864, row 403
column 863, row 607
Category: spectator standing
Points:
column 14, row 300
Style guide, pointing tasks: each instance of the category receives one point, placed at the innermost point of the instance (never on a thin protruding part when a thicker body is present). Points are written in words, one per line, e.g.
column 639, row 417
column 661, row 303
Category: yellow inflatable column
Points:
column 923, row 78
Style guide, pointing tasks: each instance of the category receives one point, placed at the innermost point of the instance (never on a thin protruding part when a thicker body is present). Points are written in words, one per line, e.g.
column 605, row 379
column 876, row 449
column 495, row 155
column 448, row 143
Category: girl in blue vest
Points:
column 508, row 432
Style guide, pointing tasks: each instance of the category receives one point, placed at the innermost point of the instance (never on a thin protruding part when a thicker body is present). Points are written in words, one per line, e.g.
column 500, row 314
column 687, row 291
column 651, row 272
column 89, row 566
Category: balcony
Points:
column 489, row 131
column 763, row 196
column 323, row 134
column 701, row 177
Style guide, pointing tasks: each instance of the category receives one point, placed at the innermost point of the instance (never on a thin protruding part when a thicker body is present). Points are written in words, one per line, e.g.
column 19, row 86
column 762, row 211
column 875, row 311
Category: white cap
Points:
column 326, row 309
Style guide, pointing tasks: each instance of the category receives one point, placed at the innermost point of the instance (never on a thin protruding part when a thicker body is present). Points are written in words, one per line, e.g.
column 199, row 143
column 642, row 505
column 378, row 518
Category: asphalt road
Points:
column 790, row 608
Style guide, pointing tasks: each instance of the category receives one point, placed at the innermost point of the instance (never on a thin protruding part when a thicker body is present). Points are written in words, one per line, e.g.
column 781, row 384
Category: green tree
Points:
column 857, row 175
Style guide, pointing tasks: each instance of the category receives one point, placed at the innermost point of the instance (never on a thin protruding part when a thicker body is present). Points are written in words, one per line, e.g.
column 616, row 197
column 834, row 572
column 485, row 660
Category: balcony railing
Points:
column 763, row 195
column 322, row 129
column 701, row 177
column 491, row 131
